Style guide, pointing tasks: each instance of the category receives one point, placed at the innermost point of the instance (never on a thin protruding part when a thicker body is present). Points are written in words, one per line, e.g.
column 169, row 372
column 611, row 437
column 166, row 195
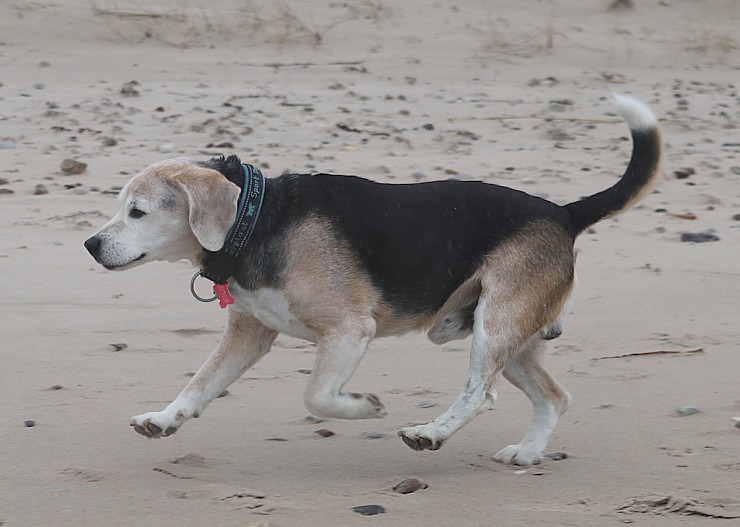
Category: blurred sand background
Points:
column 512, row 92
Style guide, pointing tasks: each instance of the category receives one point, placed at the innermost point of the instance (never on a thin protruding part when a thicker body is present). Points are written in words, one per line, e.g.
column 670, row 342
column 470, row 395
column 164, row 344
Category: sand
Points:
column 512, row 92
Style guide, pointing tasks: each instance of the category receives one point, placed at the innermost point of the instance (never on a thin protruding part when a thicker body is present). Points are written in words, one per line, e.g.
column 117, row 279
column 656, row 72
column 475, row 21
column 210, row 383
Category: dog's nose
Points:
column 92, row 244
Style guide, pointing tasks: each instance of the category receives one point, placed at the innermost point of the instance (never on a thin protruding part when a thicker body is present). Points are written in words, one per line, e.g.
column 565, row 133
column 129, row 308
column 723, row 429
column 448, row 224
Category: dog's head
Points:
column 170, row 211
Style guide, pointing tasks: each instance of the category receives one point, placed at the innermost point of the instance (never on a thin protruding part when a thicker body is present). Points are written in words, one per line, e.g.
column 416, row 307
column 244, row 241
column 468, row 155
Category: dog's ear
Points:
column 212, row 201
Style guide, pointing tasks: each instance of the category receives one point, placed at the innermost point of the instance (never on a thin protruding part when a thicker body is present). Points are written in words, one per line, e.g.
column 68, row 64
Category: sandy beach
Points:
column 510, row 92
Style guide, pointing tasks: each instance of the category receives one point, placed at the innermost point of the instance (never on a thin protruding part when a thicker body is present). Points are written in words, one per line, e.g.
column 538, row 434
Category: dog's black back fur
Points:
column 392, row 227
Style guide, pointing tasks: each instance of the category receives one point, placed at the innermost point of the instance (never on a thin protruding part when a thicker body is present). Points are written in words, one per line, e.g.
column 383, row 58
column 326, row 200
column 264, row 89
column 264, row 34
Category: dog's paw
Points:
column 522, row 455
column 377, row 407
column 346, row 405
column 552, row 332
column 422, row 437
column 355, row 405
column 157, row 424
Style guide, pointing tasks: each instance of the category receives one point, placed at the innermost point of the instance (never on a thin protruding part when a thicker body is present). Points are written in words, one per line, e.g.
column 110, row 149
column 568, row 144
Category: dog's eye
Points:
column 136, row 213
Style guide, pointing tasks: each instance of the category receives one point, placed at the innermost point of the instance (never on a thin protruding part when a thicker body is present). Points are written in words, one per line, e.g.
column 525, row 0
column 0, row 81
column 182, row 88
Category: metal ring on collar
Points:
column 195, row 295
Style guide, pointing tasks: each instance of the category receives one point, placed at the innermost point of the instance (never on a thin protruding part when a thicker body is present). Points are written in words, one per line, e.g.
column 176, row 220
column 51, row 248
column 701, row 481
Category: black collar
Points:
column 219, row 266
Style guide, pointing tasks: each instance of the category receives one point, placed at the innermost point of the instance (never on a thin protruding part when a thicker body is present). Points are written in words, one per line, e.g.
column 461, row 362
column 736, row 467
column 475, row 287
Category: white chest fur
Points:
column 272, row 308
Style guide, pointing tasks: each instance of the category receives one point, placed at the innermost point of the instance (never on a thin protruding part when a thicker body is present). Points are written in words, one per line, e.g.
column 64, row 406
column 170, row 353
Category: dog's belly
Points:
column 272, row 308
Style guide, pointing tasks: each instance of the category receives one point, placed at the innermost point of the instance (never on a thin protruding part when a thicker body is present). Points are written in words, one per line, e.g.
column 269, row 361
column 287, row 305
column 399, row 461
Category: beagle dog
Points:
column 341, row 260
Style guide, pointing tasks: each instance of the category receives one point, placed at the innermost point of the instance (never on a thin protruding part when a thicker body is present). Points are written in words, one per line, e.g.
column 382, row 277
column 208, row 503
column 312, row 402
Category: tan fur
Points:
column 323, row 281
column 528, row 281
column 212, row 204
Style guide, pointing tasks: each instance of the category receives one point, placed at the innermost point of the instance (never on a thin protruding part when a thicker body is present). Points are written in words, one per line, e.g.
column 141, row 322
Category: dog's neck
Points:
column 219, row 266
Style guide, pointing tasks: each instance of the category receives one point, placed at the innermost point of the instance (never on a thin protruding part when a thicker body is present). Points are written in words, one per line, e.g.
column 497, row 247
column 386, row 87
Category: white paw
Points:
column 346, row 406
column 523, row 455
column 376, row 409
column 158, row 424
column 422, row 437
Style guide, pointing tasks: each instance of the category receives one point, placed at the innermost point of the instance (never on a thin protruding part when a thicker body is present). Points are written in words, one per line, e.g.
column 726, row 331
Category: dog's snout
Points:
column 92, row 244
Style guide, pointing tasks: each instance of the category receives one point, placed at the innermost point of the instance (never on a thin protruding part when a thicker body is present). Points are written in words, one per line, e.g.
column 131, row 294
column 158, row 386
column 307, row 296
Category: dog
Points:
column 341, row 260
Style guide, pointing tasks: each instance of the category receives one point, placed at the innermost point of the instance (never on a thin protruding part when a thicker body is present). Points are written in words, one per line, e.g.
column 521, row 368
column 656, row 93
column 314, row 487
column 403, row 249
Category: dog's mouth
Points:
column 119, row 267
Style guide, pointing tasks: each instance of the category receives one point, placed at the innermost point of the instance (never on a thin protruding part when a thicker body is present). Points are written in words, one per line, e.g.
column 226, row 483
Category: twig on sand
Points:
column 300, row 64
column 347, row 128
column 657, row 352
column 130, row 14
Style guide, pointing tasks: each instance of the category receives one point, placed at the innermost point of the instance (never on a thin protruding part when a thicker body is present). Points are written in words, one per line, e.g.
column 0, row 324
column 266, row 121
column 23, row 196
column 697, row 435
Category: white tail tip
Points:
column 638, row 115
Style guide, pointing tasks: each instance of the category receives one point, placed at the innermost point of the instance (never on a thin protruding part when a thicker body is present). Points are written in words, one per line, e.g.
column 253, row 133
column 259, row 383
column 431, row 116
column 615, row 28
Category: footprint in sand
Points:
column 81, row 475
column 179, row 467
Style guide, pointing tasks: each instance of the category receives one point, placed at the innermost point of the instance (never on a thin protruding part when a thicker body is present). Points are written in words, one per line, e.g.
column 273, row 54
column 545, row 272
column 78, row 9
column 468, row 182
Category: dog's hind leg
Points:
column 549, row 401
column 524, row 287
column 339, row 354
column 245, row 342
column 486, row 362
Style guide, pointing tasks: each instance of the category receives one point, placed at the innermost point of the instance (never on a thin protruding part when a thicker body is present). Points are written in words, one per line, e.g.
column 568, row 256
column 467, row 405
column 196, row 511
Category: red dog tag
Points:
column 222, row 292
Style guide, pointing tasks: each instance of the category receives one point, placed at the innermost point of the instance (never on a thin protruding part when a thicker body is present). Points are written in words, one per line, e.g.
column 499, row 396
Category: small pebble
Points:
column 40, row 190
column 305, row 371
column 222, row 394
column 129, row 89
column 56, row 387
column 736, row 217
column 556, row 456
column 30, row 423
column 699, row 237
column 427, row 404
column 372, row 435
column 683, row 174
column 557, row 107
column 118, row 346
column 369, row 510
column 313, row 419
column 688, row 409
column 409, row 485
column 323, row 432
column 39, row 85
column 520, row 472
column 418, row 175
column 72, row 166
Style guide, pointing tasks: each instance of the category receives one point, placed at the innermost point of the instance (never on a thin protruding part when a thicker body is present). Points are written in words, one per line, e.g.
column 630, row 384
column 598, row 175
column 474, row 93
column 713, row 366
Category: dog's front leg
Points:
column 339, row 354
column 245, row 342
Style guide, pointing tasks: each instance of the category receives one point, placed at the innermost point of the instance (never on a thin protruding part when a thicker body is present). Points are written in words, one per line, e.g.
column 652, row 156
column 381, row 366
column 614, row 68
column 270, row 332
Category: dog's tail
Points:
column 641, row 174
